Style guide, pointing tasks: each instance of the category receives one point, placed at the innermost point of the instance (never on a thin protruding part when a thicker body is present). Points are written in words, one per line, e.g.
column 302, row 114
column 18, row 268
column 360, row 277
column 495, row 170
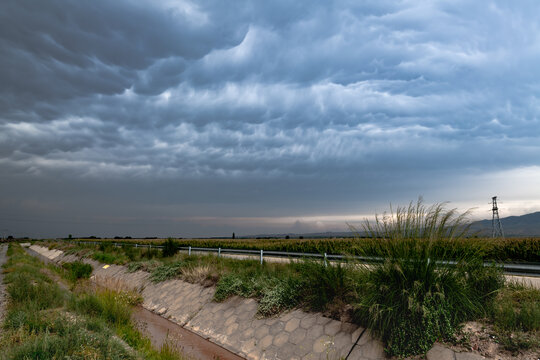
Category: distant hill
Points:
column 524, row 225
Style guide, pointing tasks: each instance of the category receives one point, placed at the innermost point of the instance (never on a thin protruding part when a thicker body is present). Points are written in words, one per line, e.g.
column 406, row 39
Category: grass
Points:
column 45, row 321
column 411, row 300
column 77, row 270
column 516, row 317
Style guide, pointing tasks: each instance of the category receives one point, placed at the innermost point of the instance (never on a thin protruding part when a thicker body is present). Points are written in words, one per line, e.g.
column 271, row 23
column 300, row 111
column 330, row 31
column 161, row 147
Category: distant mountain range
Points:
column 524, row 225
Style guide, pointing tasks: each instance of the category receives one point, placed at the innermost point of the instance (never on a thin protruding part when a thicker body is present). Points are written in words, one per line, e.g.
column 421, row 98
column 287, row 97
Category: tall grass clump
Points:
column 170, row 248
column 414, row 296
column 77, row 270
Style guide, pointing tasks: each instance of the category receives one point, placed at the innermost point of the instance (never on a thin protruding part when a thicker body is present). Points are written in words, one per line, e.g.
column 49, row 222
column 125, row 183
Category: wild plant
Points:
column 418, row 293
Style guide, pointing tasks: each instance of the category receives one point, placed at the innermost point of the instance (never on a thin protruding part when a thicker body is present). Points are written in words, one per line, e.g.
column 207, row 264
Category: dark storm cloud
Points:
column 323, row 103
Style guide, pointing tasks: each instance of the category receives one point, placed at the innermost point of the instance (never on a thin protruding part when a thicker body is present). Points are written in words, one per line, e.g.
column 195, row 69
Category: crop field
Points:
column 510, row 249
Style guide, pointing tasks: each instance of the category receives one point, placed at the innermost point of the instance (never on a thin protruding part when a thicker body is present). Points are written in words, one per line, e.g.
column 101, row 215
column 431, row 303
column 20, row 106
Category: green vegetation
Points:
column 169, row 248
column 410, row 300
column 45, row 321
column 77, row 270
column 516, row 316
column 510, row 249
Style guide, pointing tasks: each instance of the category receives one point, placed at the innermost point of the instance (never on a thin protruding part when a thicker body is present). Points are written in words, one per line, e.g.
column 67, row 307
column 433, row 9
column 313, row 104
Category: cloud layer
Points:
column 275, row 109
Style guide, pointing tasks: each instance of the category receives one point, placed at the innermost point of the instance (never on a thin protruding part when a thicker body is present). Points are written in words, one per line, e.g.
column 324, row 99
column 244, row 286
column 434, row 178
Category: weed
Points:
column 201, row 274
column 166, row 272
column 78, row 270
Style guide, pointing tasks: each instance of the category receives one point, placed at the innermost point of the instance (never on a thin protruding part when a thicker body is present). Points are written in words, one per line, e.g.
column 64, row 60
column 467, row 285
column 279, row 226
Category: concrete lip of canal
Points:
column 160, row 330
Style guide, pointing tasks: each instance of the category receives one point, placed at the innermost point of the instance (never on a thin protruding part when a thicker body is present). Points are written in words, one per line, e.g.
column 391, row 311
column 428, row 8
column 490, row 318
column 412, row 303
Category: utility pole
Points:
column 496, row 226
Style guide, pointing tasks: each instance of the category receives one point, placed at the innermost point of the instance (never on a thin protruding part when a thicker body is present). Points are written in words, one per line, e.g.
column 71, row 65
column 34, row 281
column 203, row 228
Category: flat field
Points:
column 510, row 249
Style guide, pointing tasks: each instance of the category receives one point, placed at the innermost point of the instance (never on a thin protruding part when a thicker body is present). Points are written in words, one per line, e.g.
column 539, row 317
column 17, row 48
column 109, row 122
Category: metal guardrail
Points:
column 525, row 269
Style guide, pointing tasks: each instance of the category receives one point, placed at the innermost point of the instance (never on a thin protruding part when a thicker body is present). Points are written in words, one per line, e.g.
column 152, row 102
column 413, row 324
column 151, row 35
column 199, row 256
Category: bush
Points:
column 170, row 248
column 105, row 258
column 322, row 284
column 166, row 272
column 413, row 298
column 284, row 294
column 78, row 270
column 275, row 294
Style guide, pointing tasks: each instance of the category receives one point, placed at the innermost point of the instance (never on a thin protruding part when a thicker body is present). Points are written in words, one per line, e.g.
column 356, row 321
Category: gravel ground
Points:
column 3, row 295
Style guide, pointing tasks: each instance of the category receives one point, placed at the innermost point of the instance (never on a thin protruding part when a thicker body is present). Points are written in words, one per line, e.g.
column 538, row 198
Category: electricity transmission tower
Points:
column 496, row 226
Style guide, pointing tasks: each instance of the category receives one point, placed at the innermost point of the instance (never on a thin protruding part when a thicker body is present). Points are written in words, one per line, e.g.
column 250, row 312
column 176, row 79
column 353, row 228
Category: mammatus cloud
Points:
column 272, row 110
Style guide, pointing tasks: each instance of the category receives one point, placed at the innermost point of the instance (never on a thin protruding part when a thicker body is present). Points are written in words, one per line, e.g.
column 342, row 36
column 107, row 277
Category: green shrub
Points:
column 170, row 248
column 231, row 284
column 282, row 295
column 166, row 271
column 323, row 284
column 412, row 298
column 78, row 270
column 274, row 294
column 105, row 258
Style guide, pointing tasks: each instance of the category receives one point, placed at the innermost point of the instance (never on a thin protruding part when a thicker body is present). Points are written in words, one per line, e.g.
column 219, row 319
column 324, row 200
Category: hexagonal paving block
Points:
column 308, row 321
column 281, row 339
column 315, row 331
column 266, row 341
column 261, row 332
column 277, row 328
column 292, row 324
column 332, row 328
column 297, row 336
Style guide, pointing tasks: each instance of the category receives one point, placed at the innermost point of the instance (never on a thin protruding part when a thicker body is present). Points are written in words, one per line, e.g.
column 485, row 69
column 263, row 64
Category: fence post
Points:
column 150, row 246
column 325, row 263
column 136, row 245
column 189, row 251
column 261, row 256
column 219, row 252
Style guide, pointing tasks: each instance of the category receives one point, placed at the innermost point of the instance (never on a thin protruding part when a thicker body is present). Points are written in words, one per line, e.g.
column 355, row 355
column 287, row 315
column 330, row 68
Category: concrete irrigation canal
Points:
column 205, row 329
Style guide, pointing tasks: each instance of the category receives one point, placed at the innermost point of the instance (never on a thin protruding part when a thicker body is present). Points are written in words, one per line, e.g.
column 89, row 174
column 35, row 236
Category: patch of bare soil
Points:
column 482, row 339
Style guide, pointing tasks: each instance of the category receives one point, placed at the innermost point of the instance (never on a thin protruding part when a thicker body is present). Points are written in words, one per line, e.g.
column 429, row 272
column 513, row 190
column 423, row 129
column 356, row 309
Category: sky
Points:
column 203, row 118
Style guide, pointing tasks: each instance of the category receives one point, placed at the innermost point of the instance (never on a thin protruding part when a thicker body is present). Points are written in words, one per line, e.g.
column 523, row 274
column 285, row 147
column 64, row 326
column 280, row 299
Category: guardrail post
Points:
column 150, row 246
column 219, row 252
column 325, row 263
column 189, row 251
column 261, row 256
column 136, row 245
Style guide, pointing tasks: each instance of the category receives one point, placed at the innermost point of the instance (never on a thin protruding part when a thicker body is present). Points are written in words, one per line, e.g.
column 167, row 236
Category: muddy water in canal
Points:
column 160, row 330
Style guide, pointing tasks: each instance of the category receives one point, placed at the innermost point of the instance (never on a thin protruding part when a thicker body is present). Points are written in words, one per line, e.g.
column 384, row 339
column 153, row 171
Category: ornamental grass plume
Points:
column 419, row 292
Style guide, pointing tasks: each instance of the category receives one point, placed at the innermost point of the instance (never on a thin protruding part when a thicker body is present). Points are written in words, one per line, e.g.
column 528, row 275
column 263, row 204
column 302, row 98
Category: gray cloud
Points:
column 251, row 106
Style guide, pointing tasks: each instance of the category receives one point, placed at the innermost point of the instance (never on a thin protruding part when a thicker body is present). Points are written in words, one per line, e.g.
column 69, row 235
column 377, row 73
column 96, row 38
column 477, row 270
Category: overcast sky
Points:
column 180, row 118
